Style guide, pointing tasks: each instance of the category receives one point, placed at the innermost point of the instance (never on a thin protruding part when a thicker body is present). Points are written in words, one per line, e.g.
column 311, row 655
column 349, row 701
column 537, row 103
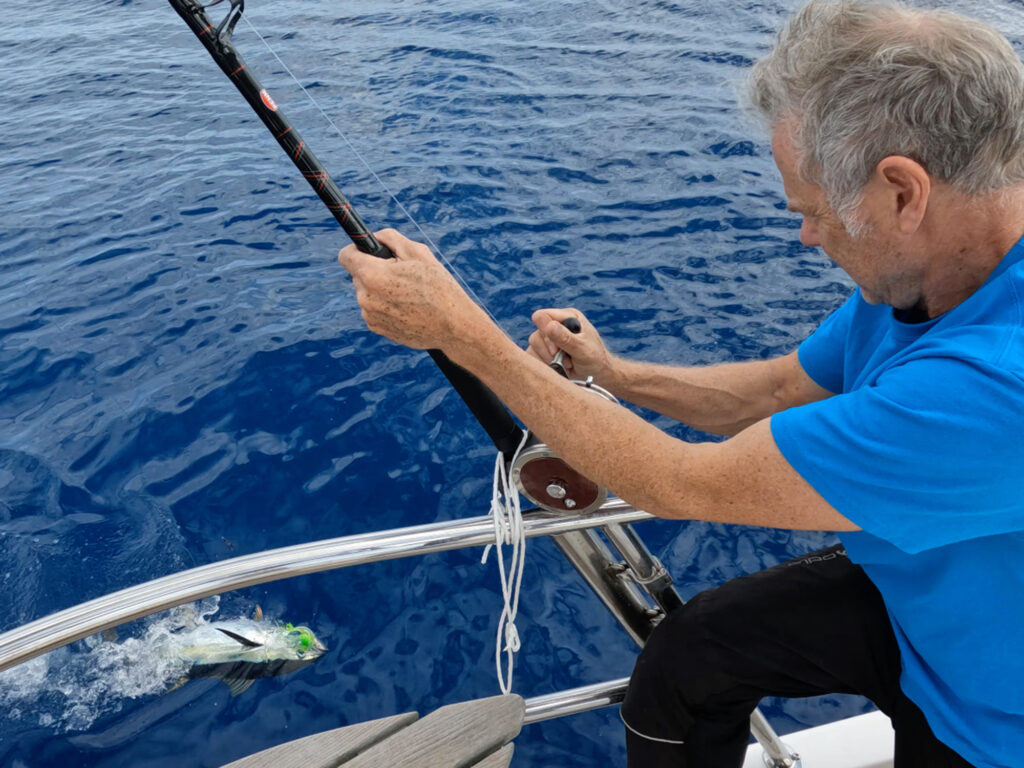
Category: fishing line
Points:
column 434, row 247
column 506, row 511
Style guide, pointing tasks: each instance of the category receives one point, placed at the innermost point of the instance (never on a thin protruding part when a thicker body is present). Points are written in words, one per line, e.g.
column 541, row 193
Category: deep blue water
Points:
column 184, row 375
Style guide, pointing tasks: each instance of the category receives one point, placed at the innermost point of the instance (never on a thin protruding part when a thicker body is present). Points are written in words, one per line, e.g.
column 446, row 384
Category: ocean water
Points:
column 184, row 375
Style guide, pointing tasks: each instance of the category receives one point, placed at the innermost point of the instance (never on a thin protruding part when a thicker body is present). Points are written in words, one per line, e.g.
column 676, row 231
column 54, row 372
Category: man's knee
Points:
column 677, row 673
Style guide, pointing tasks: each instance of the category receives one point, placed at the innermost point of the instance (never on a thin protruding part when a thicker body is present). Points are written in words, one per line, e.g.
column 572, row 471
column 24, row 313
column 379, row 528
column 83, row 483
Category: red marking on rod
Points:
column 208, row 28
column 298, row 149
column 344, row 209
column 322, row 176
column 238, row 70
column 285, row 131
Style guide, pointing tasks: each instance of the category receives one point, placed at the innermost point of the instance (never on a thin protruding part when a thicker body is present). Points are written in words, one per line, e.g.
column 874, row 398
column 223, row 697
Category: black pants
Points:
column 812, row 626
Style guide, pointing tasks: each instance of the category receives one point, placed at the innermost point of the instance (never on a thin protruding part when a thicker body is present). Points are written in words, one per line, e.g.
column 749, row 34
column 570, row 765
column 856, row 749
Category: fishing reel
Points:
column 544, row 477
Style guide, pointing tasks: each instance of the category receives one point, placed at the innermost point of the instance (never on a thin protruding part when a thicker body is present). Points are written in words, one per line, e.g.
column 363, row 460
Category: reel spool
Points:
column 544, row 478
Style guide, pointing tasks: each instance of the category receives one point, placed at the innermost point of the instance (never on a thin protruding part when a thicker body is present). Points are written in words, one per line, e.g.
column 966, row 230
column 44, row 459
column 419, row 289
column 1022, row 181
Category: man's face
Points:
column 870, row 259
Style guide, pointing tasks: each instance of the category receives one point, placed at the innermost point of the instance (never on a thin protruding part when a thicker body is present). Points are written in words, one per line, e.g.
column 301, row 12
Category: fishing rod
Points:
column 541, row 475
column 482, row 402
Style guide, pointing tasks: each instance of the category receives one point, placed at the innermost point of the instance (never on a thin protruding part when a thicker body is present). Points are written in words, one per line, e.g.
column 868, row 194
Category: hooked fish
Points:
column 241, row 651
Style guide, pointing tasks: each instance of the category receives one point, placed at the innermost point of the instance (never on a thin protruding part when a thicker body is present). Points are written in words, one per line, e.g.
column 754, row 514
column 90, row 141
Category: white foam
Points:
column 71, row 688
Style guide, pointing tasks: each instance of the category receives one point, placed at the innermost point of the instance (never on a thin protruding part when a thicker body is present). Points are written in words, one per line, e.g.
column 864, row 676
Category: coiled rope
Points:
column 508, row 529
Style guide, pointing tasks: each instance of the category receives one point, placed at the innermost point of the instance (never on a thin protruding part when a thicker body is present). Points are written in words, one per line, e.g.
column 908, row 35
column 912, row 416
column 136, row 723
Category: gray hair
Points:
column 861, row 81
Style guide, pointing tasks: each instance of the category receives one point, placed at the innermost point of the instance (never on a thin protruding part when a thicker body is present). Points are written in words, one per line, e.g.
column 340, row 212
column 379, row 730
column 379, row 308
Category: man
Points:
column 899, row 136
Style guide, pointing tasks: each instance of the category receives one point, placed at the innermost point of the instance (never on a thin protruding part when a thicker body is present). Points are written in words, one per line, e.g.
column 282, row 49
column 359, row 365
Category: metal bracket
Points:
column 658, row 573
column 793, row 761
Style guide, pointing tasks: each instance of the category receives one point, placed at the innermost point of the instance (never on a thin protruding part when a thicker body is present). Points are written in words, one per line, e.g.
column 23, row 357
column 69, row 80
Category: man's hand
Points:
column 586, row 354
column 412, row 299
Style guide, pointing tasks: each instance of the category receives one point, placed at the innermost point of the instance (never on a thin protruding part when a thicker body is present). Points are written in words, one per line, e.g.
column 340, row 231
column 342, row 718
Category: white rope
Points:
column 508, row 529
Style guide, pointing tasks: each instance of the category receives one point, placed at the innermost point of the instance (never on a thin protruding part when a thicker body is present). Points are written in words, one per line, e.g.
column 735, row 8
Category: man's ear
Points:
column 905, row 187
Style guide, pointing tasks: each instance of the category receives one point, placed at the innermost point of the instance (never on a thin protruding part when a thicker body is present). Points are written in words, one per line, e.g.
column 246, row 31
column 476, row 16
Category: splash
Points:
column 71, row 688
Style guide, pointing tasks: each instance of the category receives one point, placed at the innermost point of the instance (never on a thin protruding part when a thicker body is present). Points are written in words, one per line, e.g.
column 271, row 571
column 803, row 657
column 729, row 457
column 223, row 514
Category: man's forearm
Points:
column 720, row 399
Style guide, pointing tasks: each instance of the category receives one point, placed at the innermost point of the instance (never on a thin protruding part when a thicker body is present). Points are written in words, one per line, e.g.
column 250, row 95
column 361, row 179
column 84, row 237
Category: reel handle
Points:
column 573, row 324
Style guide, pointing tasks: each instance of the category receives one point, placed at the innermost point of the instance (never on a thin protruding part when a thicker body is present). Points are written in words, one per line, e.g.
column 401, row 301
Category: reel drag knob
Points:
column 545, row 479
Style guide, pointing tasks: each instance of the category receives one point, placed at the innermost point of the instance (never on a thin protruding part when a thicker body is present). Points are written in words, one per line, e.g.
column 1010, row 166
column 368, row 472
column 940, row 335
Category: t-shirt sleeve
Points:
column 928, row 456
column 821, row 354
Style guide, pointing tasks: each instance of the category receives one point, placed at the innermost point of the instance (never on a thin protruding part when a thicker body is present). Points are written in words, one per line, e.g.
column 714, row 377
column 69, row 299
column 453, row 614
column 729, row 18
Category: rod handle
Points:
column 382, row 252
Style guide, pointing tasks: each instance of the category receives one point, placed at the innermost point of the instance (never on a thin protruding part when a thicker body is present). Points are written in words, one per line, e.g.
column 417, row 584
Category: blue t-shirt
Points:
column 923, row 449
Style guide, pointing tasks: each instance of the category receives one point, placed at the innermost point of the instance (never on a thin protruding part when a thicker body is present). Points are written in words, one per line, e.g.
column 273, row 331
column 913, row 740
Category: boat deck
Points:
column 473, row 733
column 479, row 733
column 864, row 741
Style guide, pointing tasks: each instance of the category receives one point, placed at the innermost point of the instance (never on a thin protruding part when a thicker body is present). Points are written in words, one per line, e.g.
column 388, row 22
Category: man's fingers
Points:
column 352, row 259
column 364, row 267
column 542, row 316
column 561, row 336
column 394, row 240
column 552, row 335
column 541, row 348
column 403, row 247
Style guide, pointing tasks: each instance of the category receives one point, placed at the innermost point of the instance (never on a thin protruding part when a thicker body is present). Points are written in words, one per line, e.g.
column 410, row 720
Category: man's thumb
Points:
column 560, row 333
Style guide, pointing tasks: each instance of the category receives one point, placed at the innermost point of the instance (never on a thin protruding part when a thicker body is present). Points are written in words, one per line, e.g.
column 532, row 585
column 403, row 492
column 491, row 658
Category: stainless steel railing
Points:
column 67, row 626
column 574, row 701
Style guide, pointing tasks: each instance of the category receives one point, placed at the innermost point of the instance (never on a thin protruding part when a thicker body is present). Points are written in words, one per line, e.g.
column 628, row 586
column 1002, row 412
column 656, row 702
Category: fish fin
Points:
column 257, row 615
column 243, row 640
column 237, row 686
column 181, row 681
